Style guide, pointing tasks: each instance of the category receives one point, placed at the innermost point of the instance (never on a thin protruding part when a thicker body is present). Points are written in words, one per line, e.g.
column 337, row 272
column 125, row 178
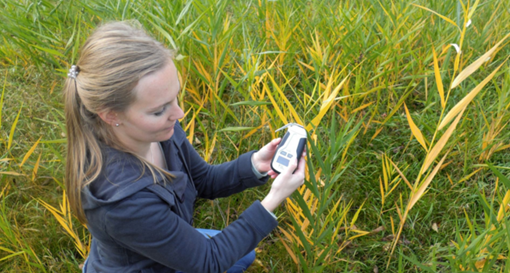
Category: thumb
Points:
column 290, row 169
column 274, row 143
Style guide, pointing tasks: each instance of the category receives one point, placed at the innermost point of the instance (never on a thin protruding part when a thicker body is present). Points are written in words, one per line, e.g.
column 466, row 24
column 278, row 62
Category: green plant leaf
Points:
column 501, row 177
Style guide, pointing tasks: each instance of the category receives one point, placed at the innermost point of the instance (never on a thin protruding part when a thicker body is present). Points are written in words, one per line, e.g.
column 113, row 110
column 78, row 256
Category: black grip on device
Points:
column 285, row 138
column 300, row 148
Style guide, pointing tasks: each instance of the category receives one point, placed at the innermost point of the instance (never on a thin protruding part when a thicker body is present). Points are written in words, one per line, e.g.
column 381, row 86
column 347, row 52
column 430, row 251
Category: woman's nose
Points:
column 177, row 114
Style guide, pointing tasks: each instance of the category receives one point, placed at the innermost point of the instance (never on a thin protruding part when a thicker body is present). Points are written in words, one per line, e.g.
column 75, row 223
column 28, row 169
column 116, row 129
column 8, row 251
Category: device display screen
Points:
column 282, row 160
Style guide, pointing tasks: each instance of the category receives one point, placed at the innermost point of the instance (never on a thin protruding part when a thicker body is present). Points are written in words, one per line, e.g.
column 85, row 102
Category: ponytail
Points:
column 84, row 155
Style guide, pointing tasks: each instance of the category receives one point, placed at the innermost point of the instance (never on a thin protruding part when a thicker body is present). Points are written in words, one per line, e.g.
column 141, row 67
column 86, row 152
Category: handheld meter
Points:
column 292, row 145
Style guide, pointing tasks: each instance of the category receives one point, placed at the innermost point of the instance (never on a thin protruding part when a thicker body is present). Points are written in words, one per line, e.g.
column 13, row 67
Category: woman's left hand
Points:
column 262, row 159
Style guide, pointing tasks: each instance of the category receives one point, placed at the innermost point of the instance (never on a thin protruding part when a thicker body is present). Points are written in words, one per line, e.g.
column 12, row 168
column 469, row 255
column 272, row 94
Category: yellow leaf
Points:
column 456, row 64
column 419, row 193
column 480, row 264
column 12, row 173
column 376, row 133
column 326, row 104
column 504, row 206
column 502, row 147
column 434, row 152
column 191, row 132
column 289, row 105
column 355, row 217
column 29, row 152
column 468, row 98
column 361, row 107
column 476, row 64
column 415, row 130
column 360, row 234
column 439, row 82
column 5, row 189
column 276, row 107
column 289, row 250
column 290, row 236
column 385, row 174
column 13, row 127
column 36, row 167
column 209, row 150
column 442, row 16
column 402, row 175
column 472, row 9
column 254, row 130
column 329, row 217
column 12, row 255
column 382, row 191
column 392, row 226
column 307, row 66
column 469, row 175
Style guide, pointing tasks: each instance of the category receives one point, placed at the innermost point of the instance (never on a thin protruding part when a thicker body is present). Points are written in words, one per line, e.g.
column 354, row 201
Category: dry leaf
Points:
column 379, row 229
column 388, row 238
column 434, row 227
column 480, row 264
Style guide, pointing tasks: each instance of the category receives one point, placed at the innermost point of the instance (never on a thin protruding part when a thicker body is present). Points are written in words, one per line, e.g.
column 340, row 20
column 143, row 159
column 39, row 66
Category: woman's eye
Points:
column 159, row 113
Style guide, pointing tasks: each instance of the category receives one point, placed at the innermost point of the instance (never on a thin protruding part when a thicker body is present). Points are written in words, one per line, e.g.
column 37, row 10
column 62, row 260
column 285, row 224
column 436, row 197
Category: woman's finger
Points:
column 276, row 141
column 301, row 166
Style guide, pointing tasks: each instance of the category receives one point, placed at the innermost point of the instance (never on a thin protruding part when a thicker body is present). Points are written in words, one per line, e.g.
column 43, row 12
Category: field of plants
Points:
column 406, row 104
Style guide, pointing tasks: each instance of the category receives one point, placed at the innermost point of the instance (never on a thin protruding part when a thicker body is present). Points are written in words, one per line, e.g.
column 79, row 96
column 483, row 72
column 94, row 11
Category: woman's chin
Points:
column 168, row 133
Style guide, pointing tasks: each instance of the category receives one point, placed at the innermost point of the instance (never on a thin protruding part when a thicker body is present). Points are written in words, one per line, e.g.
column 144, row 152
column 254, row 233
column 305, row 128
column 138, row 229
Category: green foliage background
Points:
column 239, row 60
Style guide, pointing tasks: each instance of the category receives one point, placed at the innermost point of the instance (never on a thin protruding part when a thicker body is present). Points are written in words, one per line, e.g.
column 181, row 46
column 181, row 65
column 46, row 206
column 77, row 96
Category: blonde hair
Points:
column 112, row 61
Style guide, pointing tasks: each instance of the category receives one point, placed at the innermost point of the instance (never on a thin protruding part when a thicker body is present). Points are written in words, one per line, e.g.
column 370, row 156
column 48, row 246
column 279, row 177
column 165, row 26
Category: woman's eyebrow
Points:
column 157, row 107
column 166, row 103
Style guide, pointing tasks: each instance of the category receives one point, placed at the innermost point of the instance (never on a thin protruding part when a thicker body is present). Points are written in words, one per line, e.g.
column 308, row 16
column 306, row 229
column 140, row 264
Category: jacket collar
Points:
column 123, row 175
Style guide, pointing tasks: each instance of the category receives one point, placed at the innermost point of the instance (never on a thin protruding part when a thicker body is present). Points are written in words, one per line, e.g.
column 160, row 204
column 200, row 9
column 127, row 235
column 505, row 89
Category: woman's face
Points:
column 153, row 114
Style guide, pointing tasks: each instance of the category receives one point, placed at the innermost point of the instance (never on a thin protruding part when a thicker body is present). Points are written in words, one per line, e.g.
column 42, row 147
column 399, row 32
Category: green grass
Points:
column 238, row 64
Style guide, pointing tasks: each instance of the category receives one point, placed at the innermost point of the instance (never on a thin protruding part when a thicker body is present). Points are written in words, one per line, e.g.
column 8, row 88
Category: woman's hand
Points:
column 262, row 159
column 285, row 184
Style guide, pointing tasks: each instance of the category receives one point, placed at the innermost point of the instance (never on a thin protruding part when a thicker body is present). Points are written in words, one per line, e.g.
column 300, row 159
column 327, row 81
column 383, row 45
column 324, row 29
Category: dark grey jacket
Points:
column 140, row 226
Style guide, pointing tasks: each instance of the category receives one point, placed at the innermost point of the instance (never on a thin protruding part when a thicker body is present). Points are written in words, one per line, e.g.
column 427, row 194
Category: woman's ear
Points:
column 110, row 117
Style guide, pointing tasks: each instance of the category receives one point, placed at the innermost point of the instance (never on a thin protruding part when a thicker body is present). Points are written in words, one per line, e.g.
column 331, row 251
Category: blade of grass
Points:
column 2, row 99
column 27, row 155
column 36, row 167
column 476, row 64
column 442, row 16
column 282, row 117
column 13, row 127
column 468, row 98
column 421, row 190
column 326, row 104
column 434, row 152
column 502, row 178
column 439, row 82
column 415, row 130
column 284, row 98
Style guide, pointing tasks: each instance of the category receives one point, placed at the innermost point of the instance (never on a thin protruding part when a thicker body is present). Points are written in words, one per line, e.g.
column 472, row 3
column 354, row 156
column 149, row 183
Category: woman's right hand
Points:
column 285, row 184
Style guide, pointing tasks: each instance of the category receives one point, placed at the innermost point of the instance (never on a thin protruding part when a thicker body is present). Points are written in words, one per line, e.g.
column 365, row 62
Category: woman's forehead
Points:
column 158, row 88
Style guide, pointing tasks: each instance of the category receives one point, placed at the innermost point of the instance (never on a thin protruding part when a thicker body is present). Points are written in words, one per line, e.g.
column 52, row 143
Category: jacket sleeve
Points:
column 213, row 181
column 153, row 230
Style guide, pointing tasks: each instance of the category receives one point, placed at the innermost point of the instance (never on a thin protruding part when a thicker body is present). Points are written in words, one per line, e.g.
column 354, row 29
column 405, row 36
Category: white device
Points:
column 291, row 146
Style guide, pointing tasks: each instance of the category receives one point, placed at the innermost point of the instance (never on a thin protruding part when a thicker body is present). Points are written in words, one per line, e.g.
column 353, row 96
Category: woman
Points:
column 133, row 177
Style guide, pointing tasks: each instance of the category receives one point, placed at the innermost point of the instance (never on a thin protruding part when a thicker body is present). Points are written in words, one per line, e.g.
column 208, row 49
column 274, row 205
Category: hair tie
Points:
column 73, row 72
